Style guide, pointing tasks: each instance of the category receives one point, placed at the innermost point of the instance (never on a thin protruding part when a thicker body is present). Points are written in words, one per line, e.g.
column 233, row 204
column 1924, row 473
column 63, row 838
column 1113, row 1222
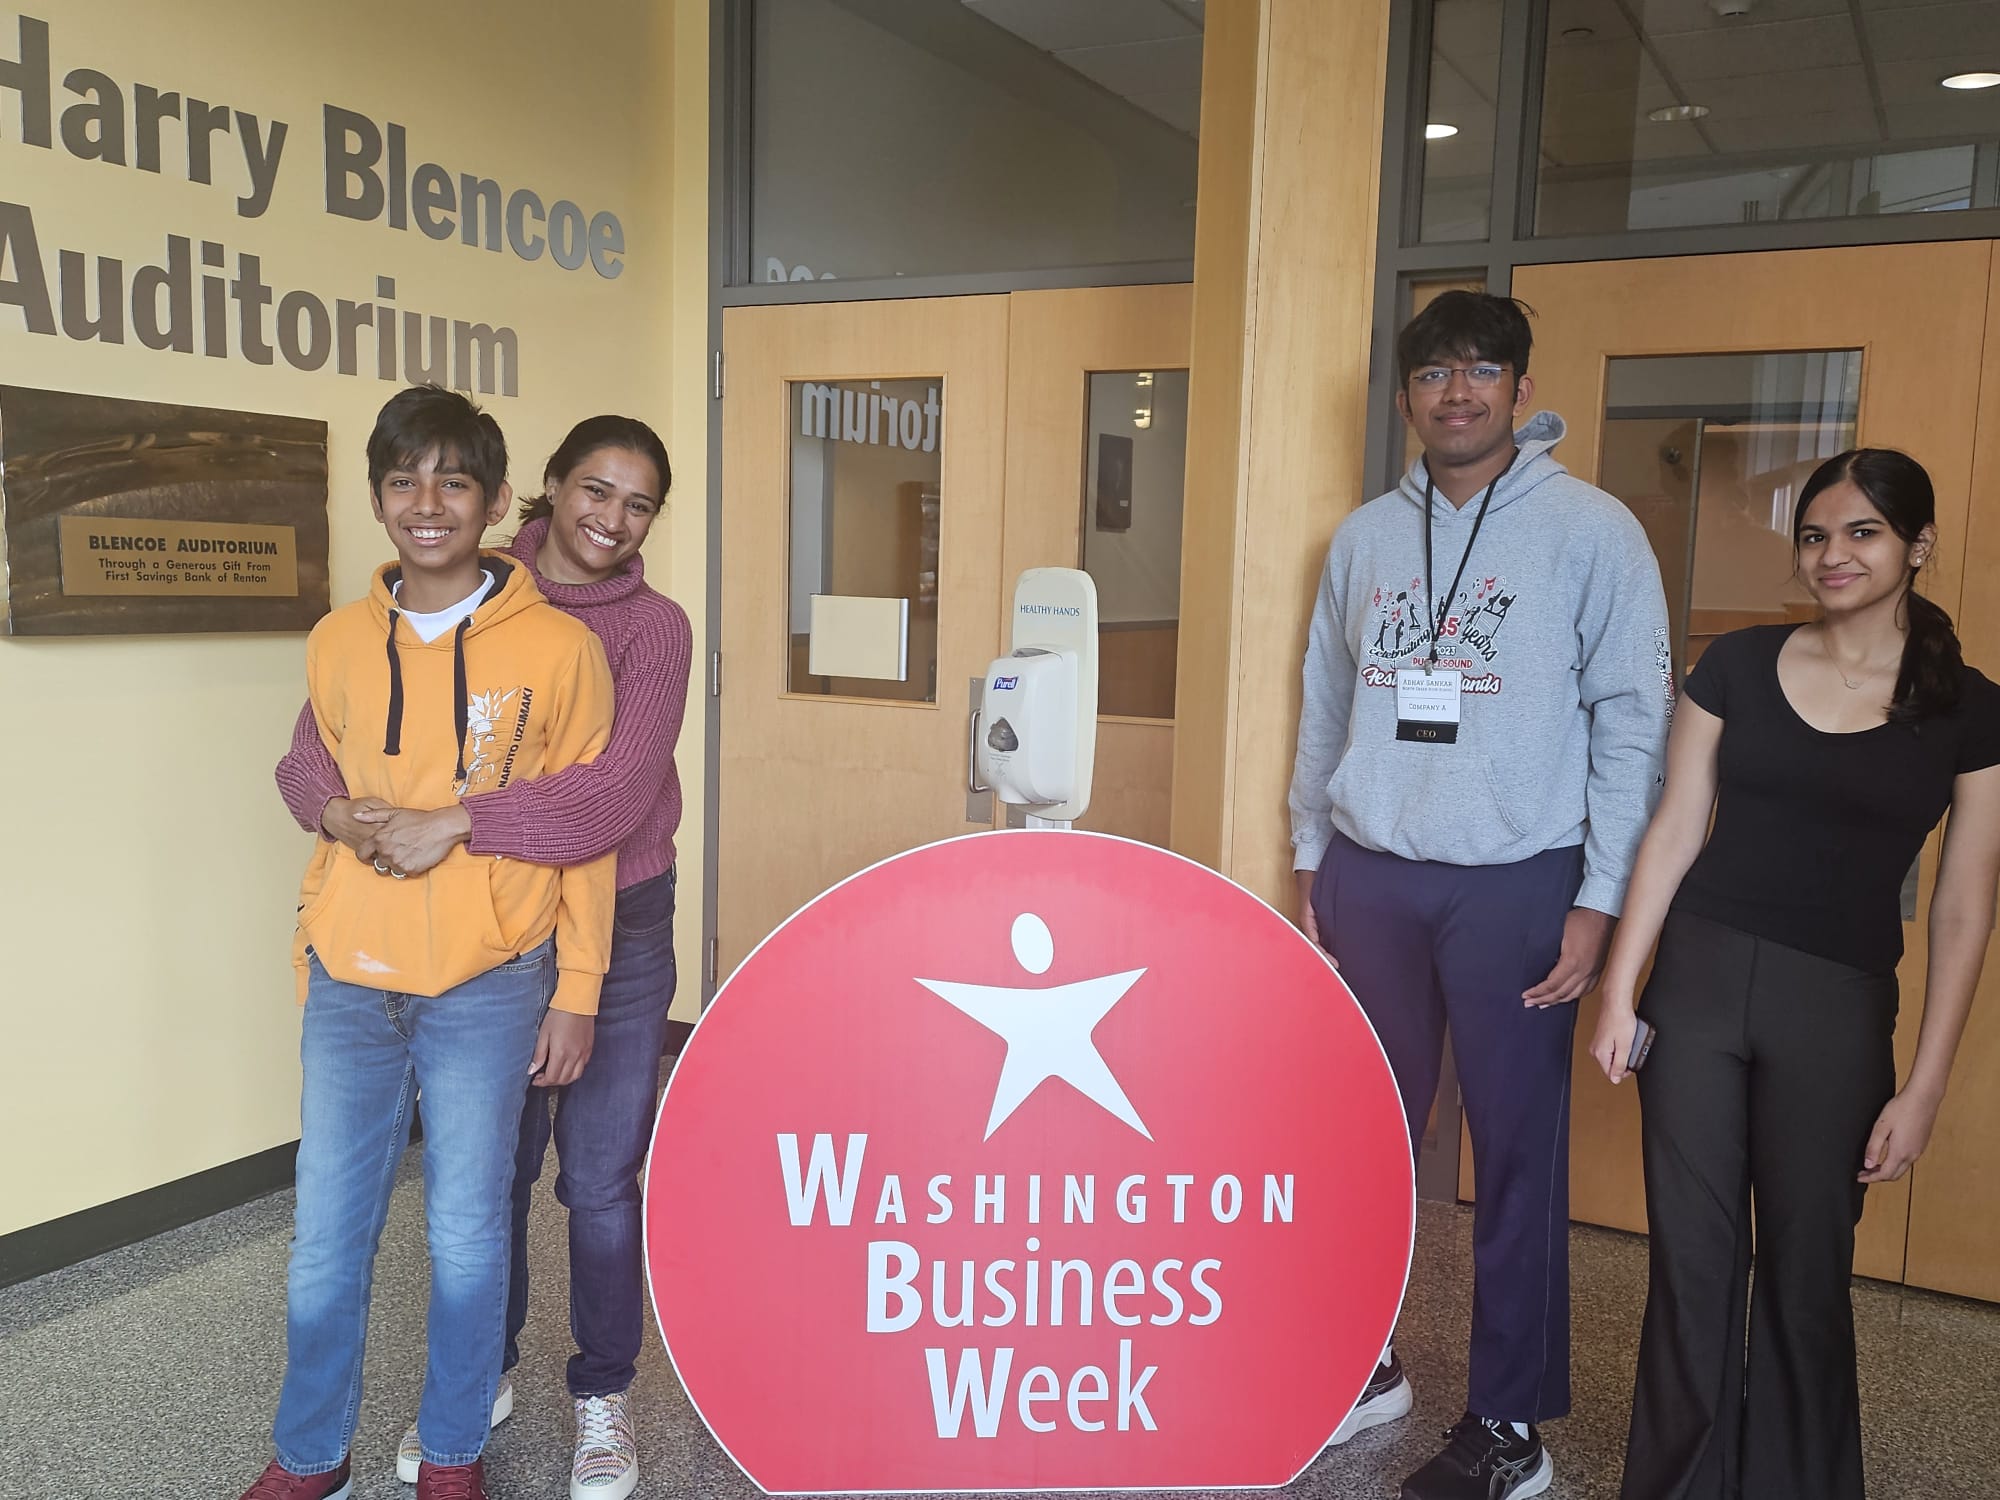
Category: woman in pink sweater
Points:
column 600, row 1080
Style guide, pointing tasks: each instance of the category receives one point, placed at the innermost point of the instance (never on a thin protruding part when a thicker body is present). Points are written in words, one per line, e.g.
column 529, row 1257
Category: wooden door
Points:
column 1914, row 313
column 1955, row 1188
column 823, row 776
column 1056, row 342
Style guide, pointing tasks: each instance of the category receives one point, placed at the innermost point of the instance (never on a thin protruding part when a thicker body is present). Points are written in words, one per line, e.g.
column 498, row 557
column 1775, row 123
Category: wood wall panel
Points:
column 1292, row 94
column 1954, row 1239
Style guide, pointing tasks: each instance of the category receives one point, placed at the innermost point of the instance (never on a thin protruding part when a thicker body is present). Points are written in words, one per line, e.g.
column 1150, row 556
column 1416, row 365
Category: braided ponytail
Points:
column 1929, row 682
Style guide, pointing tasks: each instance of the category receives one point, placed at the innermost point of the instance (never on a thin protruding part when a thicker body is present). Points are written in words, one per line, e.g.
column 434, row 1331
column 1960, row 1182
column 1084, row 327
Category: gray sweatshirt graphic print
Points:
column 1559, row 628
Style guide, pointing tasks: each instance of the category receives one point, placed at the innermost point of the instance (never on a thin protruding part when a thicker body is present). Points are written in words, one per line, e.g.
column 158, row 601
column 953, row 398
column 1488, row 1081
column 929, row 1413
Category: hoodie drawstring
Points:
column 392, row 737
column 459, row 707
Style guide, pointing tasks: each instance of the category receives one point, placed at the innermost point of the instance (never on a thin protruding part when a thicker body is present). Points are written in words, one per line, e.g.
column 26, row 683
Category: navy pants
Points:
column 601, row 1126
column 1426, row 947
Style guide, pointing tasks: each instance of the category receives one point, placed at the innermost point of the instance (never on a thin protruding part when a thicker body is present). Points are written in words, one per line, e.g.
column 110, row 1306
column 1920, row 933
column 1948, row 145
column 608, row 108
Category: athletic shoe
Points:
column 1483, row 1460
column 279, row 1483
column 607, row 1455
column 1386, row 1398
column 410, row 1452
column 452, row 1482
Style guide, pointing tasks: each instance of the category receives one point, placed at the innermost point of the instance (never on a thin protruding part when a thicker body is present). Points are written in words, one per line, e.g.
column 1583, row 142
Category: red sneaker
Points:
column 458, row 1482
column 279, row 1483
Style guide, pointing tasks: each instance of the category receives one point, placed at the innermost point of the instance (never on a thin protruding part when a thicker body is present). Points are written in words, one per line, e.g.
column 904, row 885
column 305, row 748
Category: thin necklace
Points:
column 1826, row 645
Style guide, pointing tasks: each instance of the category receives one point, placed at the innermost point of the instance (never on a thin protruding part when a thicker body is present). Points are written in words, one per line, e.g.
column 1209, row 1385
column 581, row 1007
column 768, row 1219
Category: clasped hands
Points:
column 401, row 841
column 396, row 840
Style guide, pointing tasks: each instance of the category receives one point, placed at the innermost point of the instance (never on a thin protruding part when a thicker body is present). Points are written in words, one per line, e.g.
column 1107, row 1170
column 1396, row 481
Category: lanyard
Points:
column 1440, row 613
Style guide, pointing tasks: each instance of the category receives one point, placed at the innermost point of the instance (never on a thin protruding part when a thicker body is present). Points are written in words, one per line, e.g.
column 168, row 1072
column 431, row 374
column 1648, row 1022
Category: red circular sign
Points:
column 1029, row 1160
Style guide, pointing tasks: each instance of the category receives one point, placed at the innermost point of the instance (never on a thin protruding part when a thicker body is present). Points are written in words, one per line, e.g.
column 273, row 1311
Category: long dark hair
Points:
column 584, row 439
column 1897, row 486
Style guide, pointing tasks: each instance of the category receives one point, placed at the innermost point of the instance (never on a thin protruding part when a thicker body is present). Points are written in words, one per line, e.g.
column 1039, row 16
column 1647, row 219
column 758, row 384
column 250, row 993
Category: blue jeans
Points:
column 366, row 1052
column 601, row 1126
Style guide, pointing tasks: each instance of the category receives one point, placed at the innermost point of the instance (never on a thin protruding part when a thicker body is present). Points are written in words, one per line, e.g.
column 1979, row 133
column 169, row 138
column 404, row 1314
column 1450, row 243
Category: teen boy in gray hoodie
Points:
column 1487, row 686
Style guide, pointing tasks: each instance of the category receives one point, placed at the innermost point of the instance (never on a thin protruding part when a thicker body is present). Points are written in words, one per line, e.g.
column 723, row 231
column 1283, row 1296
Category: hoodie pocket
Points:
column 422, row 935
column 1518, row 801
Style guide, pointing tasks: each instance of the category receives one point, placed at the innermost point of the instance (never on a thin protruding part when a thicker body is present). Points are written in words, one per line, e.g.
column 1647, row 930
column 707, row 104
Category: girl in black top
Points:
column 1826, row 753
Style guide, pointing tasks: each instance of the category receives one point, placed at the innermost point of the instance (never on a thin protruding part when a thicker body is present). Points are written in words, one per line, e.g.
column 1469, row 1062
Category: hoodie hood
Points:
column 513, row 591
column 1534, row 465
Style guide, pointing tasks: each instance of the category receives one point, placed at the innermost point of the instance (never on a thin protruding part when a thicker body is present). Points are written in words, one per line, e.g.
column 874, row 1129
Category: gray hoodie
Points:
column 1560, row 629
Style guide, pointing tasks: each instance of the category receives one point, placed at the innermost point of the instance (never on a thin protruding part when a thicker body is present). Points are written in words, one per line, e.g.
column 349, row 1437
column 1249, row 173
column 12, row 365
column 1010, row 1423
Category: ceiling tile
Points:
column 1603, row 19
column 1581, row 67
column 1141, row 67
column 1750, row 51
column 1456, row 101
column 1831, row 91
column 1966, row 112
column 1958, row 38
column 1794, row 131
column 1180, row 108
column 1607, row 127
column 1466, row 30
column 1942, row 120
column 1874, row 6
column 1658, row 18
column 1056, row 25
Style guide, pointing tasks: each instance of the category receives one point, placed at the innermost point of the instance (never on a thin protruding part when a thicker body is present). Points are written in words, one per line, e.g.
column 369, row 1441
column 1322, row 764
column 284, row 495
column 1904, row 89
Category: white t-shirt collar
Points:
column 442, row 622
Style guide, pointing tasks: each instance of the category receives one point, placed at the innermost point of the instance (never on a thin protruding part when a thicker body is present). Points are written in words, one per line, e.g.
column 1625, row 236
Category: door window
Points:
column 1134, row 474
column 867, row 506
column 1710, row 451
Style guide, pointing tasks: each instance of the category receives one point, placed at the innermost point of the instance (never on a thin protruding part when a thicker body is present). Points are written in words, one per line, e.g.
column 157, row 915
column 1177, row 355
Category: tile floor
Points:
column 152, row 1372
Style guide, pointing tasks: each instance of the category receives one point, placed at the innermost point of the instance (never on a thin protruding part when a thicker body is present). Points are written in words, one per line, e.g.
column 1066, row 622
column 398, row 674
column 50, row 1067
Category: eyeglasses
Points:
column 1479, row 377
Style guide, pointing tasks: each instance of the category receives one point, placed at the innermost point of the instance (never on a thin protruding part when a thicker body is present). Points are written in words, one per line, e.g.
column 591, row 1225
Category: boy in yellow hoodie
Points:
column 453, row 676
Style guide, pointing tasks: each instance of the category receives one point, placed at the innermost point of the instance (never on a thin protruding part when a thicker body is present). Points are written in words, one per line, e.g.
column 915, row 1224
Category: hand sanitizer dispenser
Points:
column 1035, row 740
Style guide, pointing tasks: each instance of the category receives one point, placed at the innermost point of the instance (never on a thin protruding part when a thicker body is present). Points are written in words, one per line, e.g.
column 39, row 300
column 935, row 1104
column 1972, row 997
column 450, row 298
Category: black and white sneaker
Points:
column 1386, row 1398
column 1484, row 1460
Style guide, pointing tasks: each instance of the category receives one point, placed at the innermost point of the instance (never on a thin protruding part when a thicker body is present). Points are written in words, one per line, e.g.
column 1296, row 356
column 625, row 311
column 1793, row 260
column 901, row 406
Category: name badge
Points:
column 1427, row 705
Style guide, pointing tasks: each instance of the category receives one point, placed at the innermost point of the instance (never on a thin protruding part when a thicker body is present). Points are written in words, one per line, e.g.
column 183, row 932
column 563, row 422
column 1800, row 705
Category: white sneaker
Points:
column 410, row 1452
column 607, row 1454
column 1387, row 1397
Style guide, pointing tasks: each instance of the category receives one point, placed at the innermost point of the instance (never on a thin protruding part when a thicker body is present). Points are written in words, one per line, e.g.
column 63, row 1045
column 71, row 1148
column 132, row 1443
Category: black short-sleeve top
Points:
column 1815, row 832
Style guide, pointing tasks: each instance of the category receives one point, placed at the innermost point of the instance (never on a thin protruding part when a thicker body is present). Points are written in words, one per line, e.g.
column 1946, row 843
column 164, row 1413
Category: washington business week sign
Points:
column 1029, row 1160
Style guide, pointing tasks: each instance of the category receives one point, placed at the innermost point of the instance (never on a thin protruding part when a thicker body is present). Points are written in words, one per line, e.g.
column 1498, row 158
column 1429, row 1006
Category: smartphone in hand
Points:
column 1642, row 1043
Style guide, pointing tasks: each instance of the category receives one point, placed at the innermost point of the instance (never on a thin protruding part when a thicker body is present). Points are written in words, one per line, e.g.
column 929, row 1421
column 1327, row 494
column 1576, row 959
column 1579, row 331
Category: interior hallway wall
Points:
column 147, row 888
column 1291, row 152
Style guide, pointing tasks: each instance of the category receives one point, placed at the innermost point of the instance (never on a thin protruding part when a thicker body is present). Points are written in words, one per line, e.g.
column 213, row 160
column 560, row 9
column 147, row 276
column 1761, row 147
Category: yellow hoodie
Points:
column 517, row 691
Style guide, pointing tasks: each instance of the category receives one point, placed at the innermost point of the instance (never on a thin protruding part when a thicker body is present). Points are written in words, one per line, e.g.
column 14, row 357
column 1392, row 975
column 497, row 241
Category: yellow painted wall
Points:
column 148, row 870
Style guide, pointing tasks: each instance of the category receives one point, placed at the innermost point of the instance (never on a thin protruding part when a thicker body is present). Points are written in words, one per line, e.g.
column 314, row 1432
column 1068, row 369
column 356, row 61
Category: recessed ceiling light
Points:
column 1674, row 112
column 1971, row 81
column 1439, row 132
column 1578, row 33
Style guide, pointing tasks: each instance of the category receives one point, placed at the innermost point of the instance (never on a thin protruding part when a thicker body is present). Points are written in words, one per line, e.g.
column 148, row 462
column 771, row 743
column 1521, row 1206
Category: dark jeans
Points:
column 601, row 1125
column 1426, row 946
column 1769, row 1072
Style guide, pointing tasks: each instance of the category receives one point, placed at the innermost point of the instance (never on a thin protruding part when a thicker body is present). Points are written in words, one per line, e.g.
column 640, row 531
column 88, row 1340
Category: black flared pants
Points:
column 1769, row 1071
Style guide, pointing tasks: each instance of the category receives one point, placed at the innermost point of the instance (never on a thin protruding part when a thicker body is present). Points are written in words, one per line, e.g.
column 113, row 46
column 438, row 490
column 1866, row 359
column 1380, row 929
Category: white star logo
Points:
column 1047, row 1031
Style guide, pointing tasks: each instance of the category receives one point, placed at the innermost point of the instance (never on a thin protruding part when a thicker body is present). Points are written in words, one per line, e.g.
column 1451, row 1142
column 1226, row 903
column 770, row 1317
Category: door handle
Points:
column 972, row 781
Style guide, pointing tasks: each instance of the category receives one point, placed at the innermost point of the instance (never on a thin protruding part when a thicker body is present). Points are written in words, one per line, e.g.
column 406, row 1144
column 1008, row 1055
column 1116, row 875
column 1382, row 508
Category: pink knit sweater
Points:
column 628, row 799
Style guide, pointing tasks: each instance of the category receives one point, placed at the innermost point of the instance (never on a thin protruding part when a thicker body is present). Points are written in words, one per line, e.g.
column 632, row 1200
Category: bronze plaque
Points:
column 140, row 517
column 177, row 559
